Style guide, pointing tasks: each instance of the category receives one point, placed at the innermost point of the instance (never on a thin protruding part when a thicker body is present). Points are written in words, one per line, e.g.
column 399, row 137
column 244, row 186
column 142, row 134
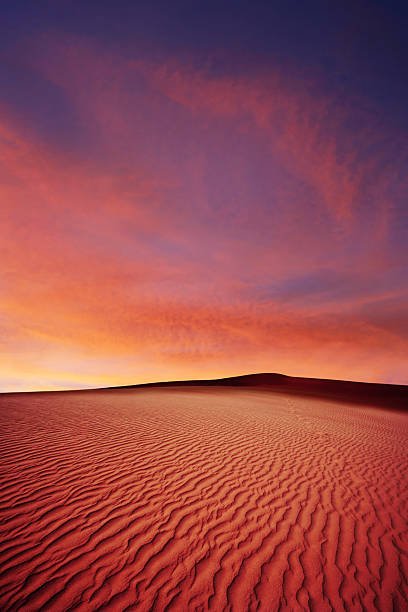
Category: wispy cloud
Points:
column 207, row 225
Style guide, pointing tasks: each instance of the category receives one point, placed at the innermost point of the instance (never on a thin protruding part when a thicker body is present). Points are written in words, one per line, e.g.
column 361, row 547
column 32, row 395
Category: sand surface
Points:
column 201, row 499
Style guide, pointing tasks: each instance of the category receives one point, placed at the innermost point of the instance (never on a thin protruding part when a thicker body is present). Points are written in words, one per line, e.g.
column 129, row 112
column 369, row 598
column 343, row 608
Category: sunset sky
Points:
column 202, row 189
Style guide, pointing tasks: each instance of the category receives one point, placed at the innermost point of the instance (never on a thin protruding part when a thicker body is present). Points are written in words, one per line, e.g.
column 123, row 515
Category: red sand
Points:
column 196, row 499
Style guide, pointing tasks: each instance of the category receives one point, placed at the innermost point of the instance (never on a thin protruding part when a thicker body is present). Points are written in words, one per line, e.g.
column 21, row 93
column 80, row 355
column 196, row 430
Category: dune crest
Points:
column 374, row 394
column 201, row 498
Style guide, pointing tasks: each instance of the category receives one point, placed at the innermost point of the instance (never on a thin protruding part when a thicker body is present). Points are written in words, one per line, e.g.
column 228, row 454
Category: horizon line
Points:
column 215, row 381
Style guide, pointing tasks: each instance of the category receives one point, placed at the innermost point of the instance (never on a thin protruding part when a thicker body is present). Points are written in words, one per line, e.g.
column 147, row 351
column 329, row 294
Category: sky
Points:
column 202, row 189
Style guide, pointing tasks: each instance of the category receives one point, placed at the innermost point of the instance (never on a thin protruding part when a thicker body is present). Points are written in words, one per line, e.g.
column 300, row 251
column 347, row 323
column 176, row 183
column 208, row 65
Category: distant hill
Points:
column 376, row 394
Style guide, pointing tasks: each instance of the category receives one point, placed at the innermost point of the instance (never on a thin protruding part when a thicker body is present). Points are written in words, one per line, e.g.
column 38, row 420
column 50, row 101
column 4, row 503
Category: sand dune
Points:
column 201, row 498
column 377, row 394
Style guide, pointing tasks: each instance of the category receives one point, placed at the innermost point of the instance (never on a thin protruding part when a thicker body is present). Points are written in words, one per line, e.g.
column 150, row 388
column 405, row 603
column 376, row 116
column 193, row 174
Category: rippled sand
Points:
column 201, row 499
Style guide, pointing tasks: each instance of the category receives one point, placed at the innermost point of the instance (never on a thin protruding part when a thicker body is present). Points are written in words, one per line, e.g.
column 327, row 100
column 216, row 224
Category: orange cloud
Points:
column 141, row 258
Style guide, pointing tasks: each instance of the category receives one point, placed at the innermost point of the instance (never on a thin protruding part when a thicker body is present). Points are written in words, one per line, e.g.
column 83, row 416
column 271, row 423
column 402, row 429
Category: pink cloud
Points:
column 144, row 256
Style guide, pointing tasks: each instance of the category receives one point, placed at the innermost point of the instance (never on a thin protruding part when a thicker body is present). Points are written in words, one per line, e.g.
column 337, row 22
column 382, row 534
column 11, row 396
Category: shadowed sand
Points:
column 236, row 496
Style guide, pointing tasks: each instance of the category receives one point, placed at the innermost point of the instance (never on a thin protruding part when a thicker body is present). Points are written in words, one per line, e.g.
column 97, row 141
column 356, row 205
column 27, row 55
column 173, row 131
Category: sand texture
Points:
column 201, row 499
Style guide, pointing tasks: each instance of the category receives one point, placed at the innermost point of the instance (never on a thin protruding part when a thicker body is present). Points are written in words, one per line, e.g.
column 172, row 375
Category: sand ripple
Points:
column 201, row 499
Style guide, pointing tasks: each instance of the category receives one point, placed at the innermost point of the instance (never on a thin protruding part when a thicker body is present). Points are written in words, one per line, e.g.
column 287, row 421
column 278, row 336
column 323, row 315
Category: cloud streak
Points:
column 207, row 225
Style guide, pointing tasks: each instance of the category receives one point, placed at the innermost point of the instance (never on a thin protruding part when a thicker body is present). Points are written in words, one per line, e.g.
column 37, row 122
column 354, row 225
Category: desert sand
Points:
column 201, row 498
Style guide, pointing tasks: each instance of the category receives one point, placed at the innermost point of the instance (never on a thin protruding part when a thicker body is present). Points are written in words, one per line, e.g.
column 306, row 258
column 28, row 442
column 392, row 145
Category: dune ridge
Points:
column 377, row 394
column 201, row 498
